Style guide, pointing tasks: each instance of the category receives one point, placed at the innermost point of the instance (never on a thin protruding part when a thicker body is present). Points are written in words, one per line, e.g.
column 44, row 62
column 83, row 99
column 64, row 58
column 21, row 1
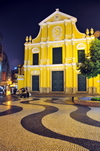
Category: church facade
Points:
column 50, row 60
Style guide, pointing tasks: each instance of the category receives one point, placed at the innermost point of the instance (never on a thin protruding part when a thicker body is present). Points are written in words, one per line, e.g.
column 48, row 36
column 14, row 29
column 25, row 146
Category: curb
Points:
column 79, row 101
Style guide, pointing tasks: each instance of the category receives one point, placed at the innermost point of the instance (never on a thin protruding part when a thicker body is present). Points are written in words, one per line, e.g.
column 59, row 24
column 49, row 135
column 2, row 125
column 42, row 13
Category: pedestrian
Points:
column 15, row 90
column 72, row 98
column 27, row 93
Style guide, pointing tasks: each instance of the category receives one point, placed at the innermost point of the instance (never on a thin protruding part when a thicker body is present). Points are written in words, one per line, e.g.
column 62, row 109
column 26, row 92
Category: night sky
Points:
column 20, row 18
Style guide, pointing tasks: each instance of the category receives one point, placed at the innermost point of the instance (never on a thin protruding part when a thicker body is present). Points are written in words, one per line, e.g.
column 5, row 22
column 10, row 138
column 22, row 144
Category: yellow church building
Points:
column 50, row 60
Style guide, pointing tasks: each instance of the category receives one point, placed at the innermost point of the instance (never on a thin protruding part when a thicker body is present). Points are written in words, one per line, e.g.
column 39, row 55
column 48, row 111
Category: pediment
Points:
column 57, row 16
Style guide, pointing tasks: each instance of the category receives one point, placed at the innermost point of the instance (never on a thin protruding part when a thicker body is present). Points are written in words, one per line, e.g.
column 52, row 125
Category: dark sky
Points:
column 20, row 18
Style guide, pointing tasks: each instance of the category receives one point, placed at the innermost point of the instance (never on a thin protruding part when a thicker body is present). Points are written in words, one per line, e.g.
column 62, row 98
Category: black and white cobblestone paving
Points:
column 48, row 124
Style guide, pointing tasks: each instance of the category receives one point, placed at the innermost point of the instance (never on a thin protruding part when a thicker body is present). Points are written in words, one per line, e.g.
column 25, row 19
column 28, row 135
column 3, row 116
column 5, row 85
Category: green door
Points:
column 81, row 83
column 57, row 81
column 35, row 83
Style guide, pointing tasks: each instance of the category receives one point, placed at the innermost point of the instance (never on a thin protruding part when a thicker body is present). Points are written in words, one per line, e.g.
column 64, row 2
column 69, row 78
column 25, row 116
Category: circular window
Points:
column 57, row 17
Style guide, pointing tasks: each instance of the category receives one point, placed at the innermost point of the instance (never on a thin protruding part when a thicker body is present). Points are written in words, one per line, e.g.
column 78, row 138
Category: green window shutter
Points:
column 81, row 56
column 81, row 82
column 35, row 59
column 57, row 55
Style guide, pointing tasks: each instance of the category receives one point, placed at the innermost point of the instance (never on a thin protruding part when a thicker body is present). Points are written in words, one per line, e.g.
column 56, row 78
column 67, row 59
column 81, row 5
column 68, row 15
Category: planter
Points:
column 86, row 101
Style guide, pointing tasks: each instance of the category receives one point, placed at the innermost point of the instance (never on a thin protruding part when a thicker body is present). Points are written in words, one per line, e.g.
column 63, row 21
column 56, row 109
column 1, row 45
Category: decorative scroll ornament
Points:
column 35, row 72
column 35, row 50
column 80, row 46
column 56, row 32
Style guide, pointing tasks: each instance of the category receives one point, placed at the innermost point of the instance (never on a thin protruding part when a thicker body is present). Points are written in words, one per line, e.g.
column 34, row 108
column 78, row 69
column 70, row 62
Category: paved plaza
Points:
column 48, row 124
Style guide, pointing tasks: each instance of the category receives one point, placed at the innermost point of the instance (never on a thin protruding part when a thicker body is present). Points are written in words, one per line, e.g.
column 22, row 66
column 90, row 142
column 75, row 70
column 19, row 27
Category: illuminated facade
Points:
column 50, row 59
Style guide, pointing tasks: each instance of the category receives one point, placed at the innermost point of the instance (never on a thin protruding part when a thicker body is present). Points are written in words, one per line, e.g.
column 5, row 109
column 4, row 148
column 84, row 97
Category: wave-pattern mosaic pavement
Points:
column 35, row 122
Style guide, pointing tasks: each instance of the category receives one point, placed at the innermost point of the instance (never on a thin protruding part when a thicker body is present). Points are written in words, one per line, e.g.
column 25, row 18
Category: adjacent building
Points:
column 14, row 75
column 50, row 60
column 4, row 67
